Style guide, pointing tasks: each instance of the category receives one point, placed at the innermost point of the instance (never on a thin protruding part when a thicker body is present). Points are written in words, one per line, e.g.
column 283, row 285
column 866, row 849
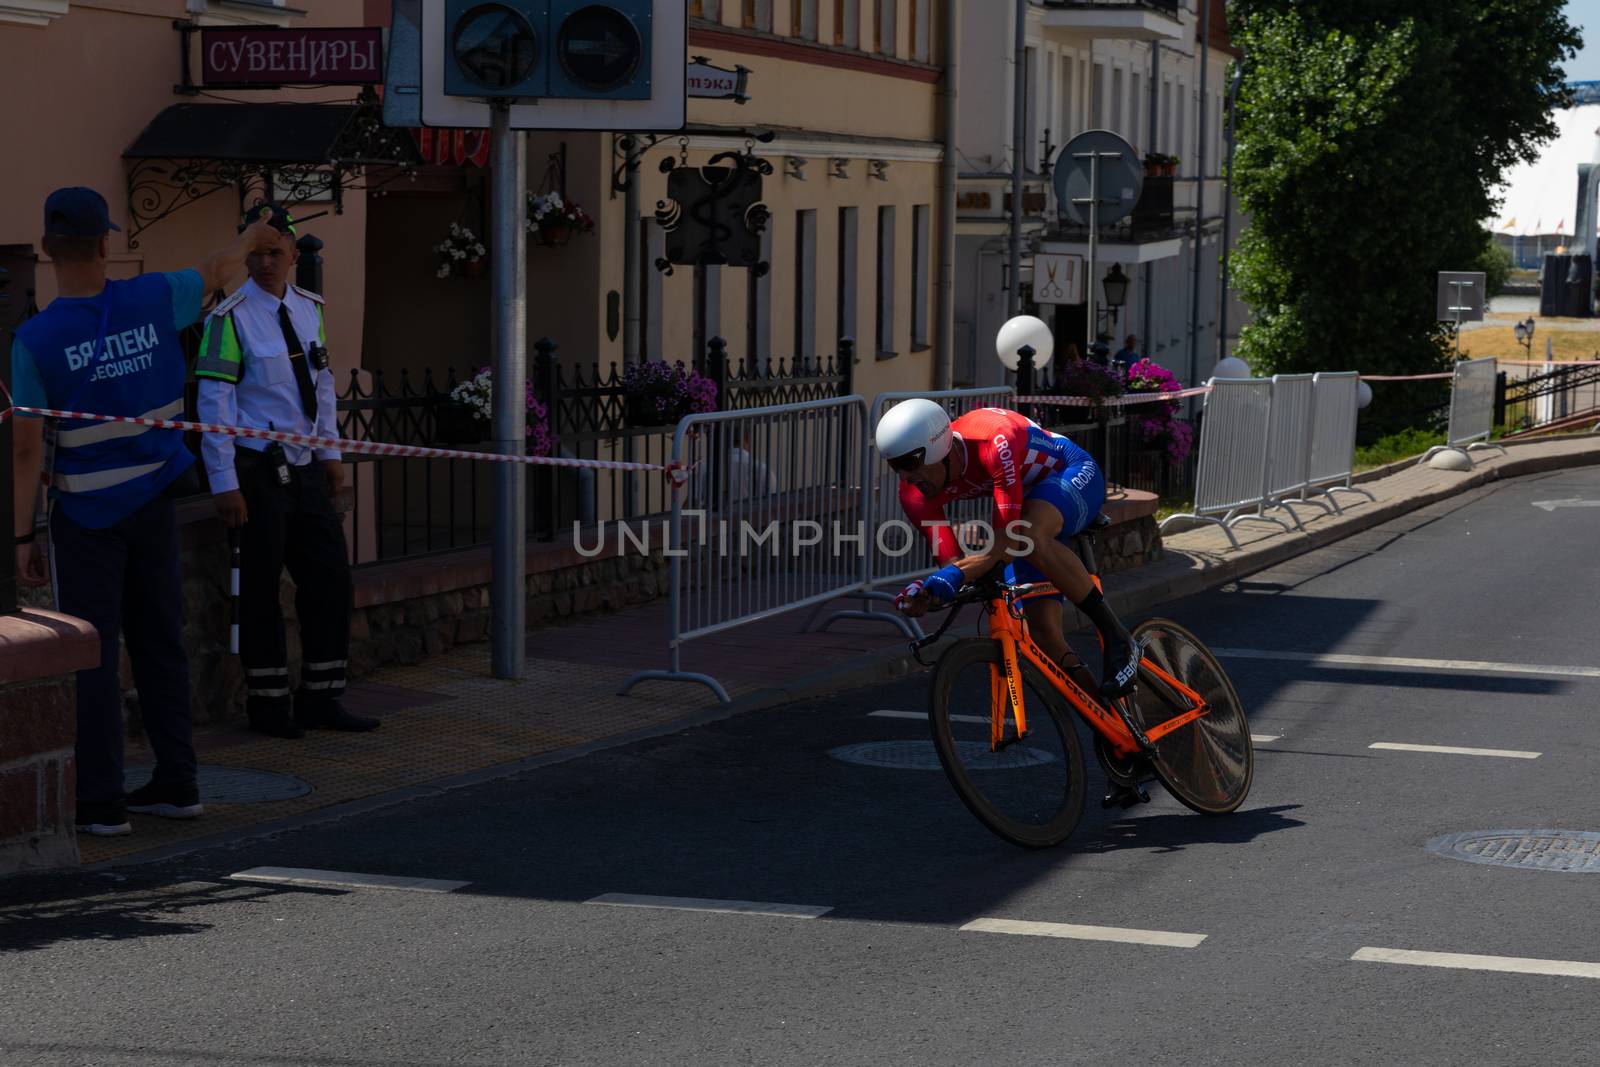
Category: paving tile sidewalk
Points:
column 447, row 717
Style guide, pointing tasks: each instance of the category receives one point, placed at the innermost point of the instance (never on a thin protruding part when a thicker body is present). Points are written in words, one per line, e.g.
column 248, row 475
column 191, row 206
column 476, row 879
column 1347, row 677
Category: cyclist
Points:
column 1046, row 490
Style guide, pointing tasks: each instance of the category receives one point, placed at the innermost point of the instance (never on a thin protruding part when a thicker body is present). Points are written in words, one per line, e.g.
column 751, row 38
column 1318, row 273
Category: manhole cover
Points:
column 922, row 756
column 1574, row 851
column 235, row 785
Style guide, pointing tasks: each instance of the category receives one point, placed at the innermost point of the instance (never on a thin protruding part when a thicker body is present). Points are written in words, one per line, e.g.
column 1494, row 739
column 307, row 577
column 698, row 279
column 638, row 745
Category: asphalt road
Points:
column 176, row 964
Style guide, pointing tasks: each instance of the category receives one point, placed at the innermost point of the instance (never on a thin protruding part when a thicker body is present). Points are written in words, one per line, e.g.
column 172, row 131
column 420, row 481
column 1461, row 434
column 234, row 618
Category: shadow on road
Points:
column 39, row 912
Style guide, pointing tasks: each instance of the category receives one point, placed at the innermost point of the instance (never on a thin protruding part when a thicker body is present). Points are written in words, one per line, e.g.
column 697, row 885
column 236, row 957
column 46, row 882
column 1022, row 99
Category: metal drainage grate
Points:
column 922, row 756
column 1572, row 851
column 235, row 785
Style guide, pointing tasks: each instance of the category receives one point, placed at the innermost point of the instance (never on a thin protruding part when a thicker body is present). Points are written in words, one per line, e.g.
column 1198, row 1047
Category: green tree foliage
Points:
column 1496, row 263
column 1371, row 137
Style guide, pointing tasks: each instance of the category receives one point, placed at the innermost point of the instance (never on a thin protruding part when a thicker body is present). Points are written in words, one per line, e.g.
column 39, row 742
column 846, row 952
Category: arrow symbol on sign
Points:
column 1551, row 505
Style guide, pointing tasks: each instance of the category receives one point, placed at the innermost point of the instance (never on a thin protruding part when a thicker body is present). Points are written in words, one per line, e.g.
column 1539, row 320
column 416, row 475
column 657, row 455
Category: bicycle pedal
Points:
column 1125, row 797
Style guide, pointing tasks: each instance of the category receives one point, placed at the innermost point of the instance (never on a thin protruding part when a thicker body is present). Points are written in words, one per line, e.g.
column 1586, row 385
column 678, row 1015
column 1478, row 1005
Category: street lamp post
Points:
column 1115, row 286
column 1524, row 332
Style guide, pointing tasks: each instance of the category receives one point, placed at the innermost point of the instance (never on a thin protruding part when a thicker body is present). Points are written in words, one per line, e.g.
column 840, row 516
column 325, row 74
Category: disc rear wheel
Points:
column 1208, row 763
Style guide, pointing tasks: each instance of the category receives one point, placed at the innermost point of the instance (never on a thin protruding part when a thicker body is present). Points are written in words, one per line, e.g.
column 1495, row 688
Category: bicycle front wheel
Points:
column 1208, row 763
column 1032, row 791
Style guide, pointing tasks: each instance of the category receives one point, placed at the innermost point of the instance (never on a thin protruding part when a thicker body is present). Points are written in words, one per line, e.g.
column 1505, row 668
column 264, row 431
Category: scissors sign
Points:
column 1052, row 287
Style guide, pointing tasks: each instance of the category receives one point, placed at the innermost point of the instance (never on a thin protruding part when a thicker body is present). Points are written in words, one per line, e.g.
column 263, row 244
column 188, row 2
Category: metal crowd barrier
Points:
column 1337, row 403
column 1471, row 408
column 1233, row 456
column 771, row 519
column 1273, row 443
column 893, row 557
column 1289, row 444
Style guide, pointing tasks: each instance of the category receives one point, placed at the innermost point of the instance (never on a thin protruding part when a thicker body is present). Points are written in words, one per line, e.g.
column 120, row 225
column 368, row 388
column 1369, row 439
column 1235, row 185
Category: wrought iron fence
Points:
column 412, row 507
column 1564, row 392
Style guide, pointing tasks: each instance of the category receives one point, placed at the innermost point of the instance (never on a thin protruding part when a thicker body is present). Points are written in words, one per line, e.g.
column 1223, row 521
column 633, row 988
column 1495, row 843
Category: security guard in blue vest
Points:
column 111, row 348
column 262, row 364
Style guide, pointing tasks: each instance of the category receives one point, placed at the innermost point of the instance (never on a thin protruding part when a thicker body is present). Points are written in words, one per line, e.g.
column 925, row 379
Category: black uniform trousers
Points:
column 296, row 526
column 124, row 579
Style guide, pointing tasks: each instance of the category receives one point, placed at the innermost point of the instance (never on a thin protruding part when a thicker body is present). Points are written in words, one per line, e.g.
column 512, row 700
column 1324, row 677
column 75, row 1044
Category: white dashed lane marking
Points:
column 1471, row 666
column 726, row 907
column 1465, row 962
column 1452, row 750
column 1126, row 935
column 344, row 879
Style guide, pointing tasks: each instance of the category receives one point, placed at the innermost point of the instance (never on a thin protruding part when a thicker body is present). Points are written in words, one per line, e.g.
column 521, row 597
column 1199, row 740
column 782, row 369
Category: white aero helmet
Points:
column 914, row 432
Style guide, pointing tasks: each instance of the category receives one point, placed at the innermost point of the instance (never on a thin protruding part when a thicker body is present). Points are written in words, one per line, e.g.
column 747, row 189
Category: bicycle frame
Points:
column 1009, row 627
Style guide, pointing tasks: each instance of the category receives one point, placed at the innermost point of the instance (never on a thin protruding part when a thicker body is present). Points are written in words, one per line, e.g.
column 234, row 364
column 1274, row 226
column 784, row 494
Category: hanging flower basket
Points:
column 554, row 220
column 461, row 253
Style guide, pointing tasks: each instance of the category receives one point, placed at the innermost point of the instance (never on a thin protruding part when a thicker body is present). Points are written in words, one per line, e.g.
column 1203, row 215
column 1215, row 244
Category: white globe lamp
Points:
column 1363, row 394
column 1231, row 367
column 1025, row 330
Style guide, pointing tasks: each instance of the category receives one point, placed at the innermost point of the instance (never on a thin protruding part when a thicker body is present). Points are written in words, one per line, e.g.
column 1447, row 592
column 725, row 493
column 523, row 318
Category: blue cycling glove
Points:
column 943, row 584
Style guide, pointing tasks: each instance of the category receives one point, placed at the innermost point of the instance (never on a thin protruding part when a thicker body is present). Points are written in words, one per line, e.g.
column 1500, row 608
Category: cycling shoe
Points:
column 1122, row 658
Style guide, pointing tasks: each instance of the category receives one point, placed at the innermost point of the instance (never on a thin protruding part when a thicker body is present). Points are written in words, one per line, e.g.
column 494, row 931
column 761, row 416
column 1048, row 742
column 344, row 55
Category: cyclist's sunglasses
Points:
column 909, row 462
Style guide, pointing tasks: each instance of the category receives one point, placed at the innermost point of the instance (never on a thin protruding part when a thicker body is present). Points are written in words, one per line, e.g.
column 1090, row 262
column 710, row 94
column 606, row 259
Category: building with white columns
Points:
column 1140, row 69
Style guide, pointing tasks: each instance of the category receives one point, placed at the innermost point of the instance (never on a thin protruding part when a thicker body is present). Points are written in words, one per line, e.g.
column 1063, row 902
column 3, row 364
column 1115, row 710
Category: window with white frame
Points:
column 1097, row 96
column 803, row 19
column 756, row 15
column 885, row 26
column 758, row 306
column 847, row 23
column 921, row 259
column 805, row 285
column 849, row 276
column 922, row 30
column 1135, row 109
column 885, row 309
column 1030, row 122
column 1117, row 113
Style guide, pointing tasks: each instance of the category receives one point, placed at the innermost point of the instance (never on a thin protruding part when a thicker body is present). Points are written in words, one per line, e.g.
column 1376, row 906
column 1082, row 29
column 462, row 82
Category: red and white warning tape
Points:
column 676, row 472
column 1126, row 400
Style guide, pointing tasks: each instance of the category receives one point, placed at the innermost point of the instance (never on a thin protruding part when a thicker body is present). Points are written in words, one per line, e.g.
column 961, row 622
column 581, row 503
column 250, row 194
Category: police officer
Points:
column 112, row 348
column 262, row 364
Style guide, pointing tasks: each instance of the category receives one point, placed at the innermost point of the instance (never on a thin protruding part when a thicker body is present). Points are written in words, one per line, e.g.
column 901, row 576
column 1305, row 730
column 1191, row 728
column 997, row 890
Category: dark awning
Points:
column 292, row 152
column 282, row 134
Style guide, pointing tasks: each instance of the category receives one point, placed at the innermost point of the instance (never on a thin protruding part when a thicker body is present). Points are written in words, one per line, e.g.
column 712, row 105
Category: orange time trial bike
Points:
column 1002, row 717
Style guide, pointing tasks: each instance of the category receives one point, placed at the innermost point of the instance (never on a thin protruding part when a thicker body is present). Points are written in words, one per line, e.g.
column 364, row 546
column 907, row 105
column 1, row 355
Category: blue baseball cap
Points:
column 77, row 212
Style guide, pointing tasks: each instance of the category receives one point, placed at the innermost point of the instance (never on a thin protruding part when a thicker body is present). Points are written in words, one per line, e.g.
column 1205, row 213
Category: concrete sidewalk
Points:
column 448, row 723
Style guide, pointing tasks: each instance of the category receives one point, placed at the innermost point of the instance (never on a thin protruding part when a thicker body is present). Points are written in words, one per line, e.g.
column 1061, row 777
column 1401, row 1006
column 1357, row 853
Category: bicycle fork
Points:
column 1005, row 691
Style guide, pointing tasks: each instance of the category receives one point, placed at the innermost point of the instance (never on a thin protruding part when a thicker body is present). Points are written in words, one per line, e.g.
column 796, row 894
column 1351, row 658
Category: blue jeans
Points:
column 125, row 580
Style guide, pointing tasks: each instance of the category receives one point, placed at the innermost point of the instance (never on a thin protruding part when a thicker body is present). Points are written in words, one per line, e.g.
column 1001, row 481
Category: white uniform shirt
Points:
column 267, row 396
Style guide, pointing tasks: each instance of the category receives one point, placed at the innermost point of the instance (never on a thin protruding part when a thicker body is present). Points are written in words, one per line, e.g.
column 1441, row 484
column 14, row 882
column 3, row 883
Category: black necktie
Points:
column 297, row 360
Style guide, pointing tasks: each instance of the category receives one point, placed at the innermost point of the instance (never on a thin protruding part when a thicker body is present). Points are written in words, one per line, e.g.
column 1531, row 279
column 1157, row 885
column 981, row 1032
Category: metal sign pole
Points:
column 1094, row 244
column 508, row 245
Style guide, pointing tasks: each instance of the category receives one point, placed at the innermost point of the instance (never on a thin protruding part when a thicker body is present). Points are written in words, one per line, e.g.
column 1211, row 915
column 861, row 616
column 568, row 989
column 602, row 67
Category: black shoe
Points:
column 106, row 819
column 275, row 723
column 167, row 800
column 330, row 715
column 1121, row 670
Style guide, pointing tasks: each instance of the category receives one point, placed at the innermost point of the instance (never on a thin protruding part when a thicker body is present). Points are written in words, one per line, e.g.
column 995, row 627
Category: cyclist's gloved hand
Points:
column 904, row 598
column 943, row 584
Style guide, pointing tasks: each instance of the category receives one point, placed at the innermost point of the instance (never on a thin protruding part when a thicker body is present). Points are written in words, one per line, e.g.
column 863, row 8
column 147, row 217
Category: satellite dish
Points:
column 1121, row 177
